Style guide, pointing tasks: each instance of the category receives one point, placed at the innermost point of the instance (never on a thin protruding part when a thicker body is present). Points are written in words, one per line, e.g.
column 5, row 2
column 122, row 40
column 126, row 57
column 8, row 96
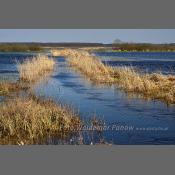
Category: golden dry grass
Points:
column 7, row 87
column 32, row 69
column 154, row 86
column 90, row 66
column 30, row 119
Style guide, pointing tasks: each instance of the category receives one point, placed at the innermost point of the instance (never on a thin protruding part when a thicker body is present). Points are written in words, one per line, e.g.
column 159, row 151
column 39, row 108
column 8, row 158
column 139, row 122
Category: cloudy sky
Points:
column 88, row 35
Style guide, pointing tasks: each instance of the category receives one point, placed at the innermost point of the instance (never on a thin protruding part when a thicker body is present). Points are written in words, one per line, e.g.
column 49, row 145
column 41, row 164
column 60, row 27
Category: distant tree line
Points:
column 54, row 44
column 11, row 47
column 143, row 47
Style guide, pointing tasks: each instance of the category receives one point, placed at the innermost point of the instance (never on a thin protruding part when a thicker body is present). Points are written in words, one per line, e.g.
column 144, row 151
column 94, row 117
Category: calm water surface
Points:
column 129, row 120
column 146, row 61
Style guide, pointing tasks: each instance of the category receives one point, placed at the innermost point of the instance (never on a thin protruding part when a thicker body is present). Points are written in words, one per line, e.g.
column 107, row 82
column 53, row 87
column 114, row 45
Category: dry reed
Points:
column 32, row 69
column 30, row 119
column 7, row 87
column 154, row 85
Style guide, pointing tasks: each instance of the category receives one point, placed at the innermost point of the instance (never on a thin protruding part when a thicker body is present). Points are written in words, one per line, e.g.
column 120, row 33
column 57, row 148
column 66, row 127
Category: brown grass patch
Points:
column 30, row 119
column 32, row 69
column 7, row 87
column 154, row 86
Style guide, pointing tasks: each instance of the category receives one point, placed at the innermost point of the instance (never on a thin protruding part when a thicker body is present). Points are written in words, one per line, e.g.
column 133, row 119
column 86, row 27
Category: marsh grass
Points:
column 7, row 87
column 32, row 69
column 30, row 119
column 89, row 65
column 150, row 86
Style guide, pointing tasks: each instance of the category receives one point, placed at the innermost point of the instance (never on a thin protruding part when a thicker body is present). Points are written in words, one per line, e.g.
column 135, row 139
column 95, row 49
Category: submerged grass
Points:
column 30, row 119
column 7, row 87
column 32, row 69
column 154, row 85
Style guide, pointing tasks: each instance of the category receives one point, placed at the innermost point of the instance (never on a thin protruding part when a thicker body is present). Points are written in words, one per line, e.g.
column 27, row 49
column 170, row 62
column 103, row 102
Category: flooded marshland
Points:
column 127, row 119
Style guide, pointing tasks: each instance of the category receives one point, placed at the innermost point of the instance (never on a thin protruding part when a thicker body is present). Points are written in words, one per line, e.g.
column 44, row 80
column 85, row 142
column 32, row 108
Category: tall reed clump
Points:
column 32, row 69
column 29, row 120
column 154, row 85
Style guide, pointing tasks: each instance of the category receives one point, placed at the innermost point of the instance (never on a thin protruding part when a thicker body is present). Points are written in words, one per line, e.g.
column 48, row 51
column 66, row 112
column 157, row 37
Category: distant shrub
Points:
column 143, row 47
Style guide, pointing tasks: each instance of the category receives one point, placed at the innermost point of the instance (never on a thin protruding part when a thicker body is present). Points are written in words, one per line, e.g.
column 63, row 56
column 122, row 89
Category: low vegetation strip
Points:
column 32, row 69
column 29, row 119
column 143, row 47
column 154, row 85
column 12, row 47
column 90, row 66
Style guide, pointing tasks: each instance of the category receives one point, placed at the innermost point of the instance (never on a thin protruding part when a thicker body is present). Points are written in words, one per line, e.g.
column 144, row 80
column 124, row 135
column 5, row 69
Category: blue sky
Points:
column 87, row 35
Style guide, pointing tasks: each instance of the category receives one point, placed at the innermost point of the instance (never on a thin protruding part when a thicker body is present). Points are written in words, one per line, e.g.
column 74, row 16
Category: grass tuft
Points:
column 32, row 69
column 30, row 119
column 7, row 87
